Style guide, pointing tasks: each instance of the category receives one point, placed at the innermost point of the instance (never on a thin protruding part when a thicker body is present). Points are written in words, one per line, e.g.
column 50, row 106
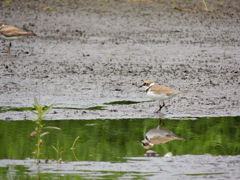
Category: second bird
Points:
column 11, row 33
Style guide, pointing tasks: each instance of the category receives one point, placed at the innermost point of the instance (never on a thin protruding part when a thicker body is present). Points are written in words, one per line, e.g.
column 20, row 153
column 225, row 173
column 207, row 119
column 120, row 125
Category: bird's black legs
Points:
column 9, row 48
column 160, row 107
column 161, row 122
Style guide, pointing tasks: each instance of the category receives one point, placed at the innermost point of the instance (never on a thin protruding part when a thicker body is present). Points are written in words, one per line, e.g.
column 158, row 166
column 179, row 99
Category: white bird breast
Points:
column 10, row 38
column 159, row 97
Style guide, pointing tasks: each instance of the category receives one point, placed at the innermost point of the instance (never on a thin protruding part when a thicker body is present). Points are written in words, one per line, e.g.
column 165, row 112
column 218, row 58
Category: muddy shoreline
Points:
column 187, row 167
column 87, row 54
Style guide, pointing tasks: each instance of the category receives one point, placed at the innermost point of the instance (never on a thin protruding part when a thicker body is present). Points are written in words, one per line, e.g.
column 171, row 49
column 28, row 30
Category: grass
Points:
column 8, row 1
column 4, row 109
column 41, row 113
column 58, row 151
column 205, row 5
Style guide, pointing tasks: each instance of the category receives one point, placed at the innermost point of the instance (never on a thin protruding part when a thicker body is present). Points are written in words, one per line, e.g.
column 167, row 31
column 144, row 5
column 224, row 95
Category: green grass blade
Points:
column 55, row 149
column 205, row 5
column 36, row 103
column 33, row 111
column 47, row 110
column 52, row 127
column 32, row 119
column 43, row 134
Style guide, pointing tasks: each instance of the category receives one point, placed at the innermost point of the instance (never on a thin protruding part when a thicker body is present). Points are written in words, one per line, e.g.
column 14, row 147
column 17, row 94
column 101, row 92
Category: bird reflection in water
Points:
column 158, row 135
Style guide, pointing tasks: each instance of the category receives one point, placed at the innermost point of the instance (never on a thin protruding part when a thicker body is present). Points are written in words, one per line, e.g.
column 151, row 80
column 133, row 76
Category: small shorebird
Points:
column 158, row 92
column 11, row 33
column 158, row 135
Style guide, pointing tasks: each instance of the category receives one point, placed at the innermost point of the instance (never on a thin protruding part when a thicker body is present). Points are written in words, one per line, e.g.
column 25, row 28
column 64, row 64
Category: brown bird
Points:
column 11, row 33
column 158, row 92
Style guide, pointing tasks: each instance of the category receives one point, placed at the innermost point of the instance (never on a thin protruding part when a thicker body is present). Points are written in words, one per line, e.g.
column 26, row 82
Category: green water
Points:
column 111, row 140
column 114, row 141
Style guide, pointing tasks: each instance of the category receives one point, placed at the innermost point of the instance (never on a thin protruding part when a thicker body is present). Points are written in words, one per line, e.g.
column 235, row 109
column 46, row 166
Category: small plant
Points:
column 58, row 151
column 8, row 1
column 48, row 8
column 41, row 112
column 227, row 44
column 220, row 4
column 205, row 5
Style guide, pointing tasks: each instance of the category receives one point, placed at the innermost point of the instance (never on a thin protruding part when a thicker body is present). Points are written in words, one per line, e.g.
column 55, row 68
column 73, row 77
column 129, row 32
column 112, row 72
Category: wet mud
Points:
column 177, row 167
column 90, row 53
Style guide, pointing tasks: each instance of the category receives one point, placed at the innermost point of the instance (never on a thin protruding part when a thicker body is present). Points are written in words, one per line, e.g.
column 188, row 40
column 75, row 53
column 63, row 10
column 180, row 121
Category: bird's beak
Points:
column 140, row 86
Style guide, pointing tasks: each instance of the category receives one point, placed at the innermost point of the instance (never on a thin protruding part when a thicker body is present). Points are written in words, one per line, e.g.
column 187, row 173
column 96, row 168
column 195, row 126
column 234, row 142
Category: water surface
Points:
column 113, row 140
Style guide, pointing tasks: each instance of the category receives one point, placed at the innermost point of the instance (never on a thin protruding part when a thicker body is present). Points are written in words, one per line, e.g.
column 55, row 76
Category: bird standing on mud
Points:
column 158, row 92
column 11, row 33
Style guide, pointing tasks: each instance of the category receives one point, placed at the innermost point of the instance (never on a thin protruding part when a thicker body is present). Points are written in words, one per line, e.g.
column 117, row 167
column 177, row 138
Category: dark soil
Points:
column 89, row 53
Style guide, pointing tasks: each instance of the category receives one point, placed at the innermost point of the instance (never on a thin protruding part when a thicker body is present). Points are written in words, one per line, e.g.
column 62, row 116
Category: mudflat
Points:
column 87, row 53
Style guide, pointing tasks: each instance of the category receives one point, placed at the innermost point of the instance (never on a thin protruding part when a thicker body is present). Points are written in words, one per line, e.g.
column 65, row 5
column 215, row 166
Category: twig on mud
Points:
column 109, row 55
column 50, row 50
column 227, row 44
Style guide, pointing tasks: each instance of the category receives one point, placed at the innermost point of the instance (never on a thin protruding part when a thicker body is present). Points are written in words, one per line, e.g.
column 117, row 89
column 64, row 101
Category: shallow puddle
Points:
column 111, row 140
column 115, row 141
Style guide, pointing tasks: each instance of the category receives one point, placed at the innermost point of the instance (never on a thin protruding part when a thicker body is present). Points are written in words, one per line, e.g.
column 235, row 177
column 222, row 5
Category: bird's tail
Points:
column 179, row 138
column 28, row 34
column 179, row 92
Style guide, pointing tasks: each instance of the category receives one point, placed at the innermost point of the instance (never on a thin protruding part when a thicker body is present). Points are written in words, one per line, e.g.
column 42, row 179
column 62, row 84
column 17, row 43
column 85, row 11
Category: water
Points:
column 114, row 141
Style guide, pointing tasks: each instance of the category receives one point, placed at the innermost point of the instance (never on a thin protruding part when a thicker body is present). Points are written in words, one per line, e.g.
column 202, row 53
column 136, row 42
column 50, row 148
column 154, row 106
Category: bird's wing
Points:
column 9, row 31
column 162, row 89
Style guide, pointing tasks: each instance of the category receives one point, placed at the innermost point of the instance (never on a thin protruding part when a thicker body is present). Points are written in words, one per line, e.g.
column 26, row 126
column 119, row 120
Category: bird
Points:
column 8, row 32
column 158, row 135
column 158, row 92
